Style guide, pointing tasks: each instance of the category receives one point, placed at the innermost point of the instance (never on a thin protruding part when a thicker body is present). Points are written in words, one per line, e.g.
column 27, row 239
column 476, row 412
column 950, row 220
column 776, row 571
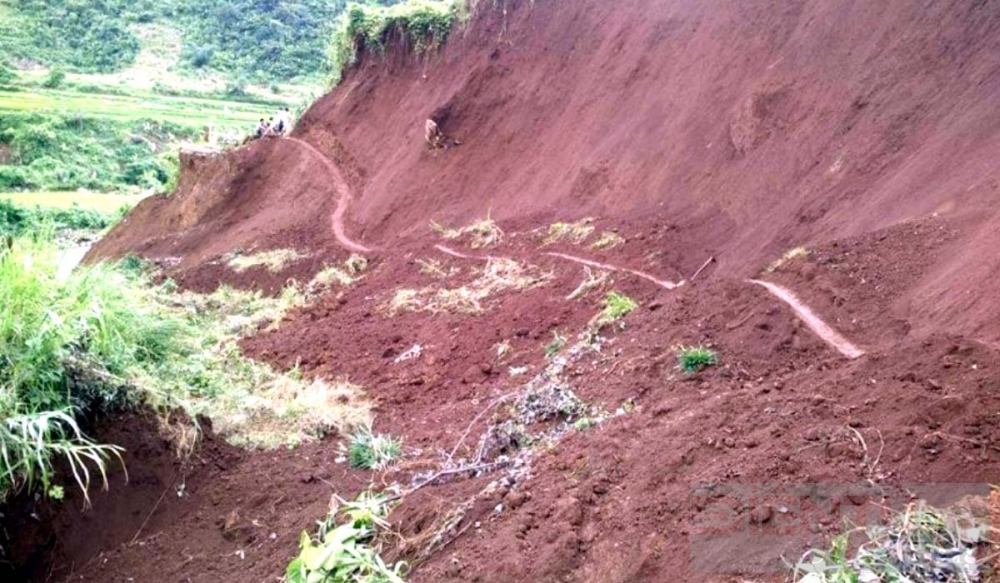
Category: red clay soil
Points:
column 864, row 132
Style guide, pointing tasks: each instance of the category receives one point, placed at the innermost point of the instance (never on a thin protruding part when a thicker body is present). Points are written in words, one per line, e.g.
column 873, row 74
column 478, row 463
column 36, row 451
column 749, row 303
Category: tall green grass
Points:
column 104, row 338
column 68, row 346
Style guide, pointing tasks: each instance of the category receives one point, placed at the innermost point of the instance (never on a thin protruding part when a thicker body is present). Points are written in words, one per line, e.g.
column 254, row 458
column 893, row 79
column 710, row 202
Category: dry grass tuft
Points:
column 352, row 271
column 592, row 281
column 483, row 233
column 787, row 257
column 284, row 410
column 275, row 260
column 573, row 232
column 499, row 275
column 608, row 240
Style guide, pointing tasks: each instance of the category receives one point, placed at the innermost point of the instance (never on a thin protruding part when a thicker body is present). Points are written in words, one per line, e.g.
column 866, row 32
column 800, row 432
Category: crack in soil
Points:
column 345, row 198
column 814, row 322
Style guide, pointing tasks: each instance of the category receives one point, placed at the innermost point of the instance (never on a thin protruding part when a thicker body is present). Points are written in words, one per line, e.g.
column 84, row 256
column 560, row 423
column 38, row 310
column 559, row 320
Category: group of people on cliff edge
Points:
column 276, row 126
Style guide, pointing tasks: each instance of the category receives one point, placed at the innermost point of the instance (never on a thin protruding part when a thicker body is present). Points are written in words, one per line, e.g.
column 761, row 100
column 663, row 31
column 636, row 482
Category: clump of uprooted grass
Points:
column 786, row 258
column 372, row 451
column 103, row 339
column 575, row 233
column 344, row 275
column 274, row 260
column 482, row 233
column 498, row 276
column 692, row 359
column 591, row 281
column 346, row 546
column 608, row 240
column 424, row 23
column 920, row 545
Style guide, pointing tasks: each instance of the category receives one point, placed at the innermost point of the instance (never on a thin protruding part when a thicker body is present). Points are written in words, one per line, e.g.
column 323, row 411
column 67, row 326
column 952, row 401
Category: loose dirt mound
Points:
column 862, row 132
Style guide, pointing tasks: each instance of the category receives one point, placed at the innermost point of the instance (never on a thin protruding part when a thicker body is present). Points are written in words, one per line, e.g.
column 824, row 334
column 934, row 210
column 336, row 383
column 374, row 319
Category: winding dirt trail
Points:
column 660, row 282
column 665, row 284
column 814, row 322
column 343, row 200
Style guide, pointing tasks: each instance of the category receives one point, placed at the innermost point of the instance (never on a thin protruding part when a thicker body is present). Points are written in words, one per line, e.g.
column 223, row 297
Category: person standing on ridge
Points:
column 283, row 125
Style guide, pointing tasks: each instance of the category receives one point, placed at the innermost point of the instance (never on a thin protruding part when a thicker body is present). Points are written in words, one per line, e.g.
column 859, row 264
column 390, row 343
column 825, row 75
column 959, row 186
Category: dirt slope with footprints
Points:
column 806, row 187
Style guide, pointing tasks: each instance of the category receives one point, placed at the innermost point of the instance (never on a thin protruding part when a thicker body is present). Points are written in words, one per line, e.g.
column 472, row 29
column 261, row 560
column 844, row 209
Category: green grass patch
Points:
column 372, row 451
column 692, row 359
column 101, row 202
column 104, row 339
column 617, row 306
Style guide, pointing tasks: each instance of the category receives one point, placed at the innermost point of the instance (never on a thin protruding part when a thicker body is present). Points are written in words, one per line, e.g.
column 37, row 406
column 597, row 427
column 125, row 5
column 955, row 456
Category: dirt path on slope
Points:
column 343, row 200
column 814, row 322
column 662, row 283
column 642, row 274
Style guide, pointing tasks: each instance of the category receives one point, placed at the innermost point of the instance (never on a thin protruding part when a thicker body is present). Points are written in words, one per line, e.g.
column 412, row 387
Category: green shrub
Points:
column 55, row 79
column 692, row 359
column 61, row 340
column 617, row 306
column 370, row 451
column 201, row 57
column 7, row 74
column 56, row 152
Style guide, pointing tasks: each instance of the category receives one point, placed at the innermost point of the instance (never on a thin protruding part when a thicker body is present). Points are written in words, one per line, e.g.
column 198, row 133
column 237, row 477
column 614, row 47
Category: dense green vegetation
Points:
column 425, row 23
column 271, row 39
column 47, row 151
column 104, row 338
column 17, row 219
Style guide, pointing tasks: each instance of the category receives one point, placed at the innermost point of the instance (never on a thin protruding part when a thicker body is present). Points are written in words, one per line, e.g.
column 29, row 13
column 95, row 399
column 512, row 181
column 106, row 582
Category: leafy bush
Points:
column 54, row 79
column 371, row 451
column 201, row 57
column 692, row 359
column 7, row 75
column 90, row 36
column 348, row 552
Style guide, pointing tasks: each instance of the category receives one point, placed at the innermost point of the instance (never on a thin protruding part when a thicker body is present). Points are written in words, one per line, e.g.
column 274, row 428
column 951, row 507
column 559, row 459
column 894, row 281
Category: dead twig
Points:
column 443, row 473
column 708, row 262
column 476, row 420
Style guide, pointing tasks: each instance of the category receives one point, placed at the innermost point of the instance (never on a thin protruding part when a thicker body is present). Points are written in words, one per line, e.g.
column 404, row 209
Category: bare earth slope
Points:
column 756, row 126
column 862, row 131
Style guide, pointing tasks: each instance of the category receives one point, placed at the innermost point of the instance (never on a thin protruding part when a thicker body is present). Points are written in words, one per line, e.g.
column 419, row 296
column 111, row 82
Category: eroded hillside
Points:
column 662, row 152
